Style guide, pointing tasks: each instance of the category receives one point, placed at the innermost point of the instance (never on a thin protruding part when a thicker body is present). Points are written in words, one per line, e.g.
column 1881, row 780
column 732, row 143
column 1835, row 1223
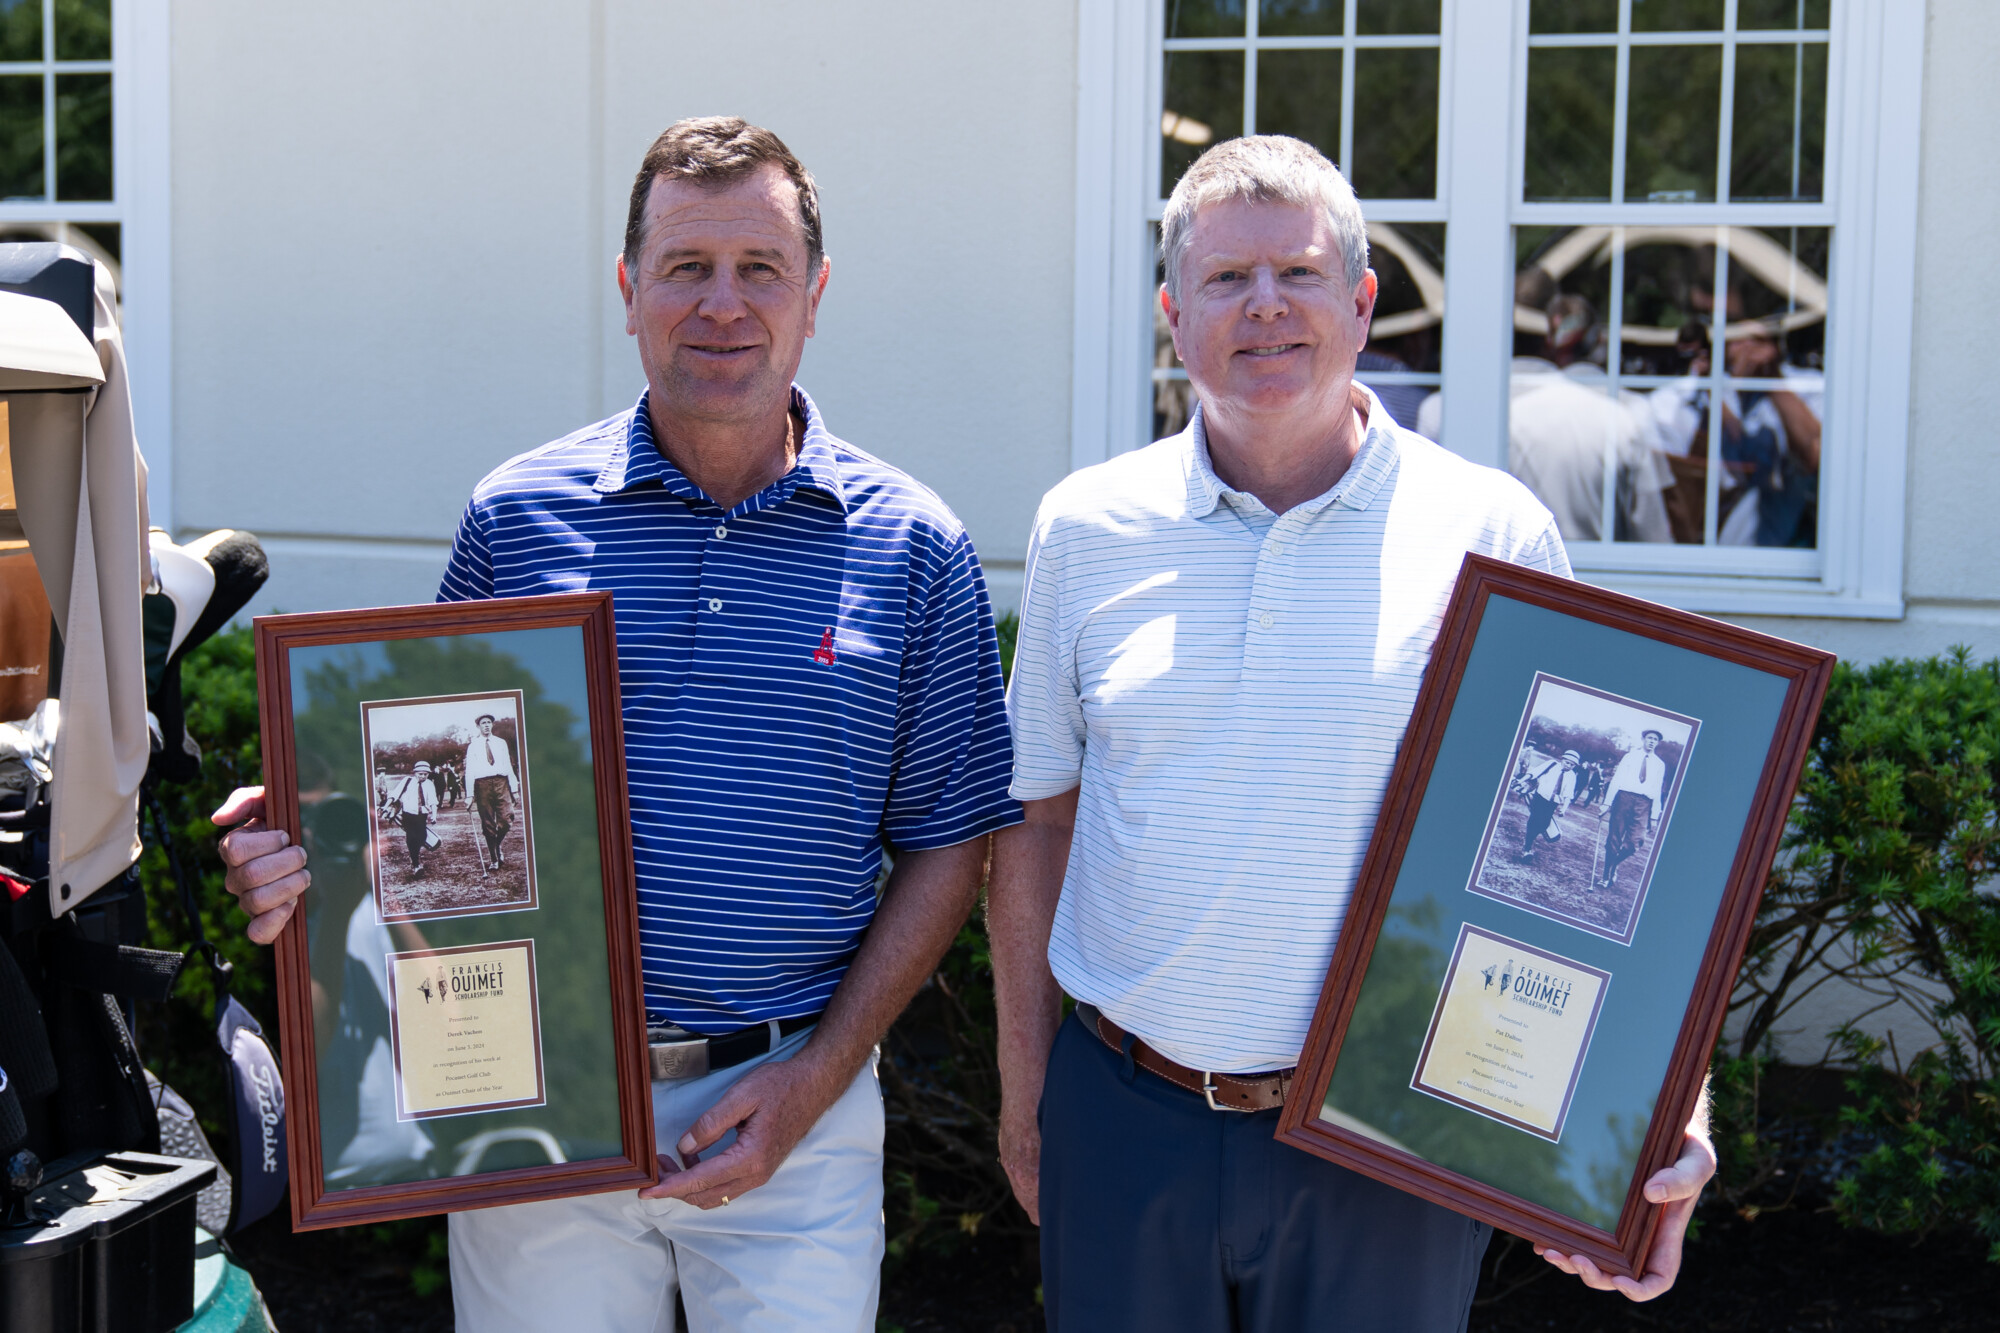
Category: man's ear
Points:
column 629, row 293
column 818, row 290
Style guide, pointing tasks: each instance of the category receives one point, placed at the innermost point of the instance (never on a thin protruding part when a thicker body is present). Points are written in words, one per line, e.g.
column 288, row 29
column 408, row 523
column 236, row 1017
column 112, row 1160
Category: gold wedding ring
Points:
column 725, row 1201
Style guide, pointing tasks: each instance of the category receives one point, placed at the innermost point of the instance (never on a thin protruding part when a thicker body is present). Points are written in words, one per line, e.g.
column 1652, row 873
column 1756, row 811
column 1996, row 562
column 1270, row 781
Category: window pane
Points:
column 83, row 29
column 1395, row 124
column 21, row 137
column 1569, row 121
column 1408, row 329
column 83, row 136
column 1778, row 149
column 1676, row 15
column 1775, row 400
column 1204, row 18
column 1173, row 396
column 1396, row 17
column 1668, row 297
column 1573, row 437
column 1573, row 16
column 1673, row 123
column 1298, row 93
column 20, row 29
column 1783, row 13
column 1300, row 18
column 1203, row 105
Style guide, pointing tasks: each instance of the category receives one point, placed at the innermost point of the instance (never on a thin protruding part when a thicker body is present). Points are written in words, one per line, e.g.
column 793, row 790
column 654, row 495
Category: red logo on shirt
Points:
column 824, row 653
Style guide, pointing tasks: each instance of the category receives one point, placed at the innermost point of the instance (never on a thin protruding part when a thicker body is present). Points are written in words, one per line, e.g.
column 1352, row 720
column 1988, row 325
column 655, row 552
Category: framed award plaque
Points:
column 459, row 1000
column 1521, row 1004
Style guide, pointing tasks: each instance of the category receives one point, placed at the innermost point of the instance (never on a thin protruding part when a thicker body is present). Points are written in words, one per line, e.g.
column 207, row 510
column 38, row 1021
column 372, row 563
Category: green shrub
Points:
column 1885, row 879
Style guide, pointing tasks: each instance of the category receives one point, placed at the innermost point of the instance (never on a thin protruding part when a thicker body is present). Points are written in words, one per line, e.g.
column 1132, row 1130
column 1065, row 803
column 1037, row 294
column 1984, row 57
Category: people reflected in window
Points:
column 1565, row 425
column 1768, row 493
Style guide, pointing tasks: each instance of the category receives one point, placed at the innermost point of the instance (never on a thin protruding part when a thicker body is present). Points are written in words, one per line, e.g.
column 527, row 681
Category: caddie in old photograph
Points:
column 1577, row 823
column 453, row 835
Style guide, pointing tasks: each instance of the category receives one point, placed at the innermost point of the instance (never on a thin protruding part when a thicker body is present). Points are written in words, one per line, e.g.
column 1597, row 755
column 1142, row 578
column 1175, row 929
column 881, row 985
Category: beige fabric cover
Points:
column 81, row 489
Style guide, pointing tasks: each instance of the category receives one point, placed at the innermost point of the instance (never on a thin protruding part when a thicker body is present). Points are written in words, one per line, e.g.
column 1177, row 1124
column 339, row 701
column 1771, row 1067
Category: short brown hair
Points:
column 716, row 151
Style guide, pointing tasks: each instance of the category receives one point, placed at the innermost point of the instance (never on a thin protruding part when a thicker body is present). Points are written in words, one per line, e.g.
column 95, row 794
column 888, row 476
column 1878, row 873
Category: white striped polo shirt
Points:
column 1230, row 687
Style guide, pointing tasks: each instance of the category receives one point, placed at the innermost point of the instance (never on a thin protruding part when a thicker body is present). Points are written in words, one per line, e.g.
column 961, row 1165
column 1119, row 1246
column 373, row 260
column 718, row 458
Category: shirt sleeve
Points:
column 948, row 782
column 1546, row 553
column 468, row 577
column 1043, row 705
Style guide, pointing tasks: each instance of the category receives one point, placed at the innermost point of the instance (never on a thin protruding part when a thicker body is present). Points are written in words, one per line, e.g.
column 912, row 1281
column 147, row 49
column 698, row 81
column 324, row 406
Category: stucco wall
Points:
column 393, row 230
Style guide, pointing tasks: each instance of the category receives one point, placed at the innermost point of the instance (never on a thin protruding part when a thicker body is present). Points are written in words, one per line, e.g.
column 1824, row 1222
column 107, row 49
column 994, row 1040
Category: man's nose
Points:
column 722, row 300
column 1266, row 300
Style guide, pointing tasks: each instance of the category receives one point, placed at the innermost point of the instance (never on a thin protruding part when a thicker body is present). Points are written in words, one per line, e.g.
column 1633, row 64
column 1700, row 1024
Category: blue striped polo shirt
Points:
column 803, row 676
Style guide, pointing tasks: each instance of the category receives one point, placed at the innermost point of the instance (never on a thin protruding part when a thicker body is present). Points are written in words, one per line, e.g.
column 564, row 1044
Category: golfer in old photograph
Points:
column 1632, row 804
column 496, row 790
column 413, row 800
column 1551, row 788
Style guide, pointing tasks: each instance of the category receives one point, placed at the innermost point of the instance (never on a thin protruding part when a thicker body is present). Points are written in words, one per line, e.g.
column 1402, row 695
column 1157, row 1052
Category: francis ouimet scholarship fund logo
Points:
column 465, row 981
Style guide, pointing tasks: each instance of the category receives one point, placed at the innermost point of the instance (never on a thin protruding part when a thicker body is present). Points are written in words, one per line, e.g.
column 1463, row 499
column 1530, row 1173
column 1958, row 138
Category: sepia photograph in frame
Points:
column 480, row 1054
column 1583, row 806
column 1496, row 1059
column 452, row 832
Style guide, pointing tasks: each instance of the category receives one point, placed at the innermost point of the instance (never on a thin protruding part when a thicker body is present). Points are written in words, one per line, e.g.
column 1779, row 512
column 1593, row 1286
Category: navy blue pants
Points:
column 1158, row 1213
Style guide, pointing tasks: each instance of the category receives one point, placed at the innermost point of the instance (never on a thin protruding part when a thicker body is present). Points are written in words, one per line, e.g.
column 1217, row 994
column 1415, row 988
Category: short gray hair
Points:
column 1265, row 168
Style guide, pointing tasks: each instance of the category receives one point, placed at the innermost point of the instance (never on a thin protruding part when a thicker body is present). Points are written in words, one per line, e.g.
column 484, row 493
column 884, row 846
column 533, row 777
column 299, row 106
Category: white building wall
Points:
column 394, row 226
column 1951, row 574
column 393, row 230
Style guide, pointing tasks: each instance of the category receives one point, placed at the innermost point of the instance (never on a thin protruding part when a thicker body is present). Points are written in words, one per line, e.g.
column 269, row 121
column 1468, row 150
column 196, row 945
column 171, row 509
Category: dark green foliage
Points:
column 219, row 682
column 1885, row 880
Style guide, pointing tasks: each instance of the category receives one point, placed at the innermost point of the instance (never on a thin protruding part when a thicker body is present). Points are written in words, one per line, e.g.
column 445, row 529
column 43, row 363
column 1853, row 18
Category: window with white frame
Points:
column 1680, row 237
column 1322, row 71
column 58, row 176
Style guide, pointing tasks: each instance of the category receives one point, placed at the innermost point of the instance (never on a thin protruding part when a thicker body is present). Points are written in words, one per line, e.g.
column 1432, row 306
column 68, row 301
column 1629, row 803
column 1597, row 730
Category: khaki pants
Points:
column 802, row 1253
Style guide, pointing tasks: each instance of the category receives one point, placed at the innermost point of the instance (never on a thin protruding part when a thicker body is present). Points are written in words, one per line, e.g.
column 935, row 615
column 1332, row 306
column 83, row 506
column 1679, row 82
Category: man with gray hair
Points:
column 1221, row 642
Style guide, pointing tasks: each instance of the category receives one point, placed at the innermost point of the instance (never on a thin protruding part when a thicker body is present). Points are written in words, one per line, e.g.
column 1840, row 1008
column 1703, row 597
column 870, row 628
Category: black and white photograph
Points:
column 1583, row 806
column 453, row 835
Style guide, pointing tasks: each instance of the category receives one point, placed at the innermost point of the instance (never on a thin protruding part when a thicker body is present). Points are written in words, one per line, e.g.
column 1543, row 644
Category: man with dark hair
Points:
column 1632, row 804
column 496, row 790
column 809, row 673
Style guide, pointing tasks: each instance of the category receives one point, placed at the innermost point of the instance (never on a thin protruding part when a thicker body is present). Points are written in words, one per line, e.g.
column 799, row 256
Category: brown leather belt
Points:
column 1223, row 1092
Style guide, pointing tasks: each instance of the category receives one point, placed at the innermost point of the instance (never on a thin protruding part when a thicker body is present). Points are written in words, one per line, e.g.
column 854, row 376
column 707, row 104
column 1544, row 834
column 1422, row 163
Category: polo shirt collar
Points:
column 1356, row 489
column 636, row 461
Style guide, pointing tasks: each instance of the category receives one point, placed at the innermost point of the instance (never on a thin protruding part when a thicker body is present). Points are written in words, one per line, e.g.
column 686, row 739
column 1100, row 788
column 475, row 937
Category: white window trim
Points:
column 1873, row 145
column 140, row 157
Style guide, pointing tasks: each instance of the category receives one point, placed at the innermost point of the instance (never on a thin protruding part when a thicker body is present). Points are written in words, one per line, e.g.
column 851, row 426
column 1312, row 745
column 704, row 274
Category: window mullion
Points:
column 49, row 100
column 1725, row 149
column 1620, row 96
column 1613, row 357
column 1347, row 91
column 1718, row 366
column 1250, row 67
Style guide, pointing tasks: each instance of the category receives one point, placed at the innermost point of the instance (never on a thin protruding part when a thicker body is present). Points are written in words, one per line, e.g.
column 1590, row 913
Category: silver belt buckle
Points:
column 679, row 1059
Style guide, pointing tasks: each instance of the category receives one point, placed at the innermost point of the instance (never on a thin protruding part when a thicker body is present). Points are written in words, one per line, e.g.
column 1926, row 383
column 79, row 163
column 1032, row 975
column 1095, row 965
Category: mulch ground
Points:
column 452, row 877
column 1793, row 1270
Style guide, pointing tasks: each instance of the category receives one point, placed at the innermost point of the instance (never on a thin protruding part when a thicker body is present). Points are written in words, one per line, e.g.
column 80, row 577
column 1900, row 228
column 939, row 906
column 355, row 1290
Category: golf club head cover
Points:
column 257, row 1114
column 240, row 570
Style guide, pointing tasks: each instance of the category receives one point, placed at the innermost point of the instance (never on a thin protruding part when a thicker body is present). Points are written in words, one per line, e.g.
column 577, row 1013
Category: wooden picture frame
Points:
column 337, row 958
column 1505, row 630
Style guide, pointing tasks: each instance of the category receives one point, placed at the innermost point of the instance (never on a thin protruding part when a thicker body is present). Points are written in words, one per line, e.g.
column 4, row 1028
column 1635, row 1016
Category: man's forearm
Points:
column 927, row 898
column 1029, row 861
